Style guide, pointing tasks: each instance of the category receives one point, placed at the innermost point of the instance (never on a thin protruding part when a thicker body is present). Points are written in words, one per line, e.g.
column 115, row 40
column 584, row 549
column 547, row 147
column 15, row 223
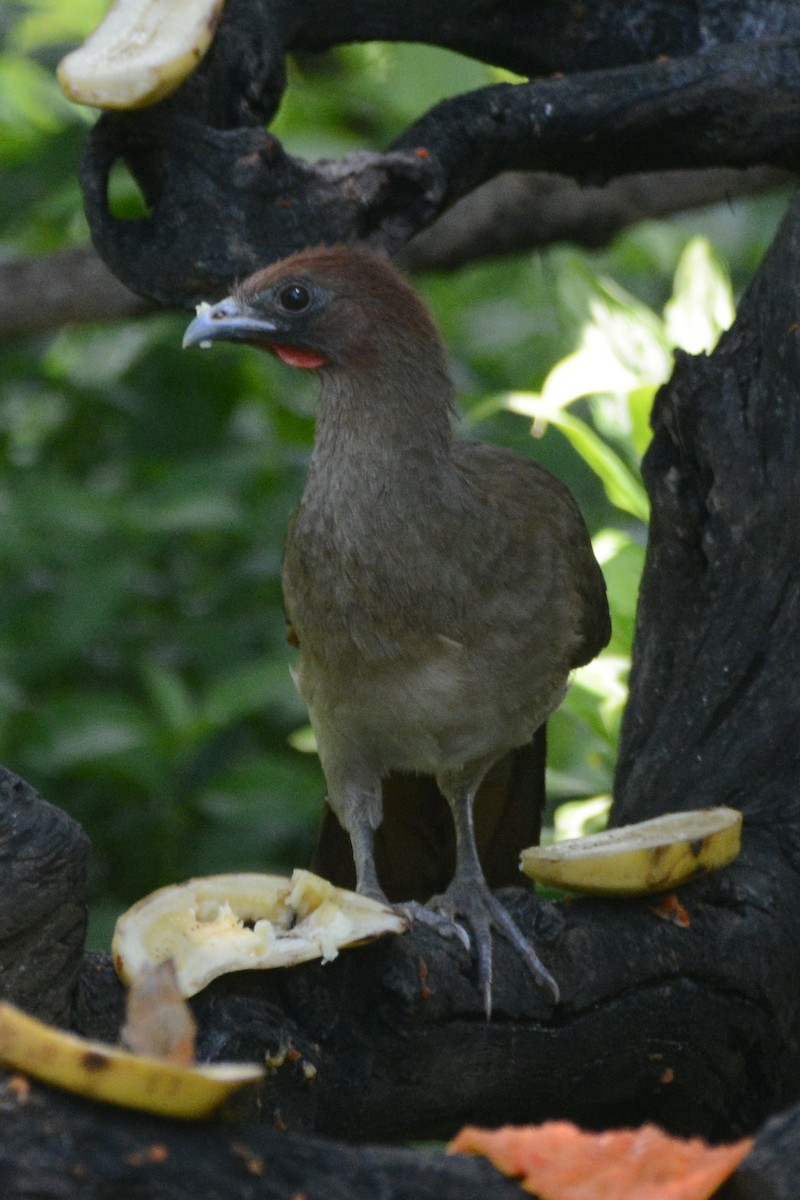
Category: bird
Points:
column 440, row 589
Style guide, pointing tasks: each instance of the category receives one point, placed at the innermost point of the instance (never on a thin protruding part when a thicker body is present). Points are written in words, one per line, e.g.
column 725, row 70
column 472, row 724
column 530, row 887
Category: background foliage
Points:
column 144, row 680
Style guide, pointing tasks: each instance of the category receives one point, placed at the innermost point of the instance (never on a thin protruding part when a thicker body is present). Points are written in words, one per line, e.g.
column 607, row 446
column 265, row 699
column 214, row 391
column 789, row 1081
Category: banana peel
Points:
column 101, row 1072
column 140, row 52
column 221, row 923
column 632, row 860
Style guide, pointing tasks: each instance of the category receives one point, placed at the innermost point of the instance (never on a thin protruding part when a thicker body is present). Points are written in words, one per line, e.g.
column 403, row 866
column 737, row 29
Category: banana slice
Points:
column 651, row 856
column 244, row 922
column 102, row 1072
column 140, row 52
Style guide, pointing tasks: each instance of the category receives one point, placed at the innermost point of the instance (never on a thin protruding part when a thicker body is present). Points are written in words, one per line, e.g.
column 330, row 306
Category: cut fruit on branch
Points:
column 651, row 856
column 101, row 1072
column 140, row 52
column 558, row 1161
column 244, row 922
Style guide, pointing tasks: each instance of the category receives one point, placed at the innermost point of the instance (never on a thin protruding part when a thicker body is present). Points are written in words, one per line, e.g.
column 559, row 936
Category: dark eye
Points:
column 294, row 298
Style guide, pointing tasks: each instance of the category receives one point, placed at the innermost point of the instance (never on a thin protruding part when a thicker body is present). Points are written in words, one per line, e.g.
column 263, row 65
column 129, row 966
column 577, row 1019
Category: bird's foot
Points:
column 482, row 912
column 442, row 922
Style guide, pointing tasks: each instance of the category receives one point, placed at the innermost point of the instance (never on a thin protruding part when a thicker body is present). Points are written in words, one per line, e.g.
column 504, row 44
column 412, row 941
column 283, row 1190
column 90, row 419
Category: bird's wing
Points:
column 537, row 553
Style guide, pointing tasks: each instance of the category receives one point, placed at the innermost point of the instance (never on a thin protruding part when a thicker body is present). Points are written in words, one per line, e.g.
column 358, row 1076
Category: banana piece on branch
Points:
column 239, row 922
column 140, row 52
column 633, row 860
column 101, row 1072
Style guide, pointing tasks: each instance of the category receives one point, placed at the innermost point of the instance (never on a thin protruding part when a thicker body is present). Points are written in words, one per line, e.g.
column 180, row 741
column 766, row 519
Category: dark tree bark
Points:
column 225, row 198
column 517, row 211
column 43, row 857
column 719, row 610
column 54, row 1146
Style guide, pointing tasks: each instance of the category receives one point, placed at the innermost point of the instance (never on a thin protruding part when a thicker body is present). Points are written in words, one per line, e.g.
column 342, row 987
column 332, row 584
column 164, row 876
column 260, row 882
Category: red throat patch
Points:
column 306, row 359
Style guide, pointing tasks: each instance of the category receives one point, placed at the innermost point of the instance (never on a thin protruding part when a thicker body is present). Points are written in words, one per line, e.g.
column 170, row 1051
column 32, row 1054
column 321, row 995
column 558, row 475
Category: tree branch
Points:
column 511, row 214
column 69, row 287
column 58, row 1145
column 521, row 211
column 224, row 201
column 534, row 39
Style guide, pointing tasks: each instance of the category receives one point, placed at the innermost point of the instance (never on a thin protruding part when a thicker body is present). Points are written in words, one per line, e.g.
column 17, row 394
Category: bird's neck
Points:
column 384, row 423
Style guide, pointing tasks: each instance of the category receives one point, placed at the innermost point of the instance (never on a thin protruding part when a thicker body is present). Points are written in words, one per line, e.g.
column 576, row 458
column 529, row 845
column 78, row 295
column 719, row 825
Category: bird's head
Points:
column 335, row 308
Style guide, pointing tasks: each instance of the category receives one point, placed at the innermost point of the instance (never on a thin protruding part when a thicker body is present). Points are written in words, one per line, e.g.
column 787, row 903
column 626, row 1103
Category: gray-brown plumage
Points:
column 441, row 590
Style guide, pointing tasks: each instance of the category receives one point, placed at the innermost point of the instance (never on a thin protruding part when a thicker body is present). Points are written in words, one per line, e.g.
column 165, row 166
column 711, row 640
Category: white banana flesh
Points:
column 239, row 922
column 140, row 53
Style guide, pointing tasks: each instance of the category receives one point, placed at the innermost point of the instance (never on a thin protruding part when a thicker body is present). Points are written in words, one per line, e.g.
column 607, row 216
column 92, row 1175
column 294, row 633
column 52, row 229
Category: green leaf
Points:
column 621, row 485
column 85, row 728
column 255, row 687
column 614, row 327
column 578, row 818
column 49, row 22
column 640, row 405
column 701, row 306
column 171, row 697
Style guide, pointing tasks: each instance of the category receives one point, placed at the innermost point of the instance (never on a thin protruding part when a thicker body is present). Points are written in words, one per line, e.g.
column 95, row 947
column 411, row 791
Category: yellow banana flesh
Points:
column 650, row 856
column 101, row 1072
column 140, row 52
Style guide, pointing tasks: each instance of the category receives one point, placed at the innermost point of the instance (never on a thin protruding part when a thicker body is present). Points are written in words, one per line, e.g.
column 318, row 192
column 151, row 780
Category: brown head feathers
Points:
column 357, row 307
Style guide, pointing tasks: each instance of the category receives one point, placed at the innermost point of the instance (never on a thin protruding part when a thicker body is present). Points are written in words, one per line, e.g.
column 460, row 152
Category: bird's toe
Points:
column 481, row 911
column 442, row 921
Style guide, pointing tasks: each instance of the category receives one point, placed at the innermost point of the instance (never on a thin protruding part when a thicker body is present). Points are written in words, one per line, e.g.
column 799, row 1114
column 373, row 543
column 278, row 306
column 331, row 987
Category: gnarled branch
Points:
column 225, row 197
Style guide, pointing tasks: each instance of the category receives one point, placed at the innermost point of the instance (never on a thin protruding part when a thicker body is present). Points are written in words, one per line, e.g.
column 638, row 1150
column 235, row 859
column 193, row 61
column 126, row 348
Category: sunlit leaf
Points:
column 701, row 306
column 578, row 818
column 612, row 323
column 30, row 104
column 621, row 485
column 640, row 405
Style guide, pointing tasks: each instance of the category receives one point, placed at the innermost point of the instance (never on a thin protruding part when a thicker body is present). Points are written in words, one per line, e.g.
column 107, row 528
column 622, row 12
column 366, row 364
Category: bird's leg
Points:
column 468, row 895
column 359, row 807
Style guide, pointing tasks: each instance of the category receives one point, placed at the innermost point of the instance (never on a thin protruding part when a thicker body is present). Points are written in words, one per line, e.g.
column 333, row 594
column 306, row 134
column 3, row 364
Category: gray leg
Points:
column 359, row 807
column 469, row 897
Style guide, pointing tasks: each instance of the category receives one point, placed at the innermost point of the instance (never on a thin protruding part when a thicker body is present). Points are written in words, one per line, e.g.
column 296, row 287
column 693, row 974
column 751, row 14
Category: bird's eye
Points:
column 294, row 298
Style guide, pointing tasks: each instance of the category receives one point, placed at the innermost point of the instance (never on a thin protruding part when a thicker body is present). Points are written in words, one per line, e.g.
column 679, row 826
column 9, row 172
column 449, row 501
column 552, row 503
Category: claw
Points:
column 504, row 924
column 482, row 912
column 442, row 922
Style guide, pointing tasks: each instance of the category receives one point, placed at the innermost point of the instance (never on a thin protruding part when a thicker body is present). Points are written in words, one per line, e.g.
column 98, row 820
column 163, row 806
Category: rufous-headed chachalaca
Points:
column 440, row 589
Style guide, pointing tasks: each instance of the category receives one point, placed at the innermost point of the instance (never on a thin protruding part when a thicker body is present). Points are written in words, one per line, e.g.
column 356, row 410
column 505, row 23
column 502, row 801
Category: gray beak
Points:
column 227, row 322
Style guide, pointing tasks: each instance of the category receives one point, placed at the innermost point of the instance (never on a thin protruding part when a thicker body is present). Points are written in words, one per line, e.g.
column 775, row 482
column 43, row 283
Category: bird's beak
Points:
column 226, row 321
